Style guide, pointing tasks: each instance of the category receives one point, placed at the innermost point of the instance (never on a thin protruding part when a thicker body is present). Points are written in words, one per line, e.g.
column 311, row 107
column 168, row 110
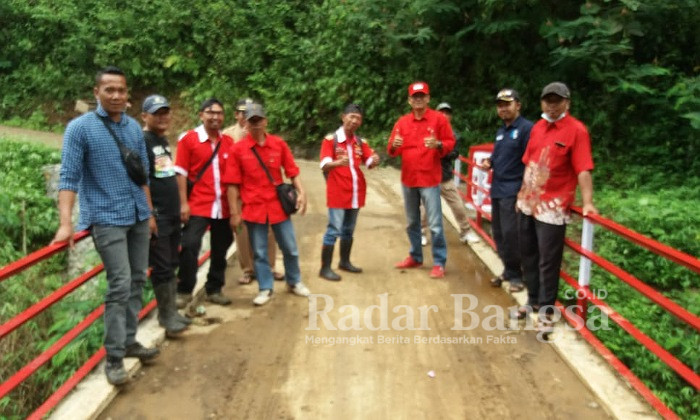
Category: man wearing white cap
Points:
column 422, row 137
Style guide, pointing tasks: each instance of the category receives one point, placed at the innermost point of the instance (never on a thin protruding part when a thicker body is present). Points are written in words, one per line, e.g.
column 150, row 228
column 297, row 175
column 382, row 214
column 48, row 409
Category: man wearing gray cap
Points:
column 557, row 159
column 164, row 249
column 507, row 165
column 245, row 254
column 255, row 159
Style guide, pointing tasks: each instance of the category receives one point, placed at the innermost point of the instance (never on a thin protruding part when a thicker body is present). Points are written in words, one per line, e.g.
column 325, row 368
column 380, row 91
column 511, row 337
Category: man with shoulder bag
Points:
column 115, row 205
column 254, row 173
column 202, row 154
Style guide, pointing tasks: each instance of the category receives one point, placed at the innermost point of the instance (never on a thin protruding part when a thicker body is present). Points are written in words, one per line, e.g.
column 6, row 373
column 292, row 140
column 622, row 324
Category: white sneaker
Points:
column 299, row 289
column 470, row 237
column 263, row 297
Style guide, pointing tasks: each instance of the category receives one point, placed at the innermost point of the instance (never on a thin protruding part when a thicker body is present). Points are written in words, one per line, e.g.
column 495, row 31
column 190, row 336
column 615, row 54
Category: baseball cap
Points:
column 557, row 88
column 153, row 103
column 507, row 95
column 444, row 105
column 418, row 87
column 254, row 110
column 242, row 104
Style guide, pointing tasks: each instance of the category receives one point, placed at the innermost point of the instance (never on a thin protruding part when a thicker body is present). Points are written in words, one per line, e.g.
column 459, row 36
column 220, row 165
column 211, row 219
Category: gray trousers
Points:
column 124, row 253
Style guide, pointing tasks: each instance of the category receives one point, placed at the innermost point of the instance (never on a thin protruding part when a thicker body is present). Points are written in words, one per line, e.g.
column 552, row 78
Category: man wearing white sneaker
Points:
column 262, row 209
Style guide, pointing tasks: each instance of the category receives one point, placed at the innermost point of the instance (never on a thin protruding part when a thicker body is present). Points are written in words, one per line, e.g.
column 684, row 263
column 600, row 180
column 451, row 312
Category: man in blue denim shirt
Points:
column 506, row 161
column 114, row 208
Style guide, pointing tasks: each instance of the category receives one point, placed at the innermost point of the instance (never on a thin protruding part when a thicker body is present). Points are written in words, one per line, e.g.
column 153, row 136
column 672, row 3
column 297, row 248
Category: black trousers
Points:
column 541, row 250
column 163, row 256
column 504, row 224
column 221, row 237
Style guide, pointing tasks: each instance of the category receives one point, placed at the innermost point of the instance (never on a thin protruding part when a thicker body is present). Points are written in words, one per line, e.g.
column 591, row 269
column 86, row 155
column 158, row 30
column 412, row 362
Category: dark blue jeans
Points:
column 505, row 234
column 287, row 241
column 341, row 224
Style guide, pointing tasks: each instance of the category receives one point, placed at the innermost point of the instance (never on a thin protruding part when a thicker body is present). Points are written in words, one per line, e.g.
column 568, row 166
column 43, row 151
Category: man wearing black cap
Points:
column 342, row 154
column 247, row 177
column 557, row 159
column 245, row 253
column 506, row 162
column 201, row 159
column 164, row 249
column 237, row 131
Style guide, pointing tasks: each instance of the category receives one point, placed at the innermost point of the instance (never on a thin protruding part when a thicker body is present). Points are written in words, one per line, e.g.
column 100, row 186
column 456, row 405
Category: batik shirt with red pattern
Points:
column 556, row 153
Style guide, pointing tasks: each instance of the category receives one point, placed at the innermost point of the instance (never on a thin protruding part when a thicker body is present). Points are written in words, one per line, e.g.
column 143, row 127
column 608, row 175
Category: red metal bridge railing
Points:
column 477, row 193
column 18, row 320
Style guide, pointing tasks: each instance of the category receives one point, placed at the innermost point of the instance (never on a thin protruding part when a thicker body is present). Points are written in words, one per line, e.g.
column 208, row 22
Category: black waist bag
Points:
column 287, row 195
column 130, row 158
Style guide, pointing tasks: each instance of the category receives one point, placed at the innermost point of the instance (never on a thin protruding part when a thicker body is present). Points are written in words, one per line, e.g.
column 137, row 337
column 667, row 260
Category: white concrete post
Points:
column 584, row 267
column 458, row 169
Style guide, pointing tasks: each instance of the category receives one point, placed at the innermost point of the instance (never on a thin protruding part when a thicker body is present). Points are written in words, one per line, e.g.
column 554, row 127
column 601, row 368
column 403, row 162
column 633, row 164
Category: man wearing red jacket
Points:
column 557, row 160
column 421, row 138
column 342, row 153
column 202, row 154
column 262, row 210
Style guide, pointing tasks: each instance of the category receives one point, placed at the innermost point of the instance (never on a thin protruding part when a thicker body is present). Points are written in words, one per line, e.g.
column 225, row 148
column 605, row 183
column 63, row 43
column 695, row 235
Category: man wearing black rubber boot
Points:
column 163, row 255
column 342, row 153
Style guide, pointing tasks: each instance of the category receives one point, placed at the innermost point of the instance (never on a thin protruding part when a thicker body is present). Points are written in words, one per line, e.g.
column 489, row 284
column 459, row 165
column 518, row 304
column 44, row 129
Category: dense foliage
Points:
column 632, row 66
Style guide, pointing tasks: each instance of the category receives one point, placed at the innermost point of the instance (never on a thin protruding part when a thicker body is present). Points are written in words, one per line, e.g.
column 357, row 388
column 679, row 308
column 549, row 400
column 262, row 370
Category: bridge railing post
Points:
column 584, row 268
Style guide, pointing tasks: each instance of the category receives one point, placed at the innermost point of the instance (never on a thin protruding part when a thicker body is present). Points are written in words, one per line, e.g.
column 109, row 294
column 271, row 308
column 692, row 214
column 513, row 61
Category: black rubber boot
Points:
column 326, row 258
column 173, row 294
column 345, row 247
column 167, row 310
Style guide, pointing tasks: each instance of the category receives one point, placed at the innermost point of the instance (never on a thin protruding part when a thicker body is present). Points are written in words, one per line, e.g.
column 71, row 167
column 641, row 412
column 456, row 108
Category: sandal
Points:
column 496, row 281
column 247, row 278
column 522, row 311
column 545, row 326
column 516, row 287
column 277, row 276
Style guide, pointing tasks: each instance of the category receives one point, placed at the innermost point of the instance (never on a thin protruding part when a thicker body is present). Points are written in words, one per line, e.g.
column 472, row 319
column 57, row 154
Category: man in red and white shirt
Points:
column 342, row 153
column 422, row 137
column 246, row 177
column 557, row 159
column 201, row 159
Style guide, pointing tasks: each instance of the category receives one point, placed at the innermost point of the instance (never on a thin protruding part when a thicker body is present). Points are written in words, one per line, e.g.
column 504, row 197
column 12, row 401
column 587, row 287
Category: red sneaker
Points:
column 437, row 272
column 409, row 262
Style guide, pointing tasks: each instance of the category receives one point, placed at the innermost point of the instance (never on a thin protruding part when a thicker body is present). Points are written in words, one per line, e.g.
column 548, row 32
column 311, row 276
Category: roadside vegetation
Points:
column 632, row 66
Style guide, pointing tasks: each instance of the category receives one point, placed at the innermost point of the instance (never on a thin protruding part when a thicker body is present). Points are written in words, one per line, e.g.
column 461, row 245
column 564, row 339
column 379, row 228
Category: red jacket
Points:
column 345, row 185
column 420, row 166
column 259, row 195
column 208, row 197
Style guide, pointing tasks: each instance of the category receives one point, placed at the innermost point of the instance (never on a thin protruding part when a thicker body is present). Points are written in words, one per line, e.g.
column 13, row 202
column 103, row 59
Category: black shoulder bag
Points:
column 130, row 158
column 286, row 193
column 190, row 184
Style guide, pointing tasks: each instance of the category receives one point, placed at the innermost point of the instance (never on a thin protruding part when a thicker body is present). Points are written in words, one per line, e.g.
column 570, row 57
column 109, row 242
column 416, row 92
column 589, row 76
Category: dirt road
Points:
column 269, row 362
column 43, row 137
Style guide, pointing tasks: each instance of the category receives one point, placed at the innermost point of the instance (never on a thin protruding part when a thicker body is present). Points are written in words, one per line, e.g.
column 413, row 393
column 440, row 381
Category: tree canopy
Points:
column 632, row 65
